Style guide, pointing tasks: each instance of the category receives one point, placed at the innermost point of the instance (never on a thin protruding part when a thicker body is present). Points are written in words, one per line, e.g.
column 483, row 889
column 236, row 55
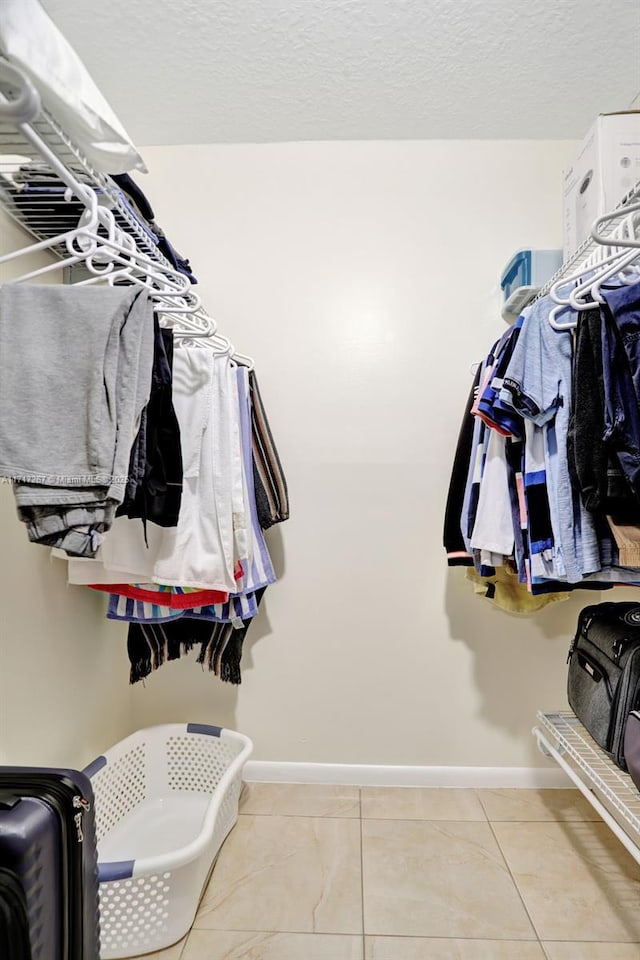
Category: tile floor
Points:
column 341, row 873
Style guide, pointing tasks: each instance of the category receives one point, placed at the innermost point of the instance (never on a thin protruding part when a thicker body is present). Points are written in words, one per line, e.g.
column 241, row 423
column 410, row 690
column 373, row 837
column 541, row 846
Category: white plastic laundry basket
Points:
column 166, row 798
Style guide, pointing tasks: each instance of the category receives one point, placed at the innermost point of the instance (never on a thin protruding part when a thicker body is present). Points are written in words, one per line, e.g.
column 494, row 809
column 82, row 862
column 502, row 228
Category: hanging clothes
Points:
column 154, row 490
column 213, row 568
column 199, row 552
column 258, row 570
column 507, row 593
column 149, row 646
column 243, row 606
column 178, row 598
column 553, row 455
column 151, row 470
column 271, row 493
column 107, row 416
column 76, row 376
column 454, row 541
column 135, row 196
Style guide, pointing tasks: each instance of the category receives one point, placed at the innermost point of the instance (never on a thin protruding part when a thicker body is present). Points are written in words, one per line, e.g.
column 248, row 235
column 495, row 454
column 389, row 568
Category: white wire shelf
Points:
column 28, row 187
column 612, row 792
column 33, row 196
column 49, row 187
column 588, row 246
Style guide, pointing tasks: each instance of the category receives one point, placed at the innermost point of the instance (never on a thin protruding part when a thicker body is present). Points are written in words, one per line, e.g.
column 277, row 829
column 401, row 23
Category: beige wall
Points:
column 363, row 278
column 63, row 675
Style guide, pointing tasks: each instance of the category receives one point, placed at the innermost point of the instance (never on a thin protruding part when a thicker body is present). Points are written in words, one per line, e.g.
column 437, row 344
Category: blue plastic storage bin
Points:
column 526, row 272
column 529, row 268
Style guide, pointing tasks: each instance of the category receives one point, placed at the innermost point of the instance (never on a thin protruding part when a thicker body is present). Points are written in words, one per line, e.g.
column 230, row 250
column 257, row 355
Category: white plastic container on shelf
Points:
column 166, row 798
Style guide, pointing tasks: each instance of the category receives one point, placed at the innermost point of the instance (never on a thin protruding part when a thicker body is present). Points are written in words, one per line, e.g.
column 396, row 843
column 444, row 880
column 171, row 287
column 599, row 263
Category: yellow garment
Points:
column 506, row 591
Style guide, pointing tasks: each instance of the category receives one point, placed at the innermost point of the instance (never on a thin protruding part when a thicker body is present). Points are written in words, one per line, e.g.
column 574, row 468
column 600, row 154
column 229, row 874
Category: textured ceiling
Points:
column 203, row 71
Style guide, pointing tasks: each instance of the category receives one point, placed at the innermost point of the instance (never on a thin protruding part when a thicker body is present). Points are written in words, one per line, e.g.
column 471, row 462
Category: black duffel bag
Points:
column 604, row 673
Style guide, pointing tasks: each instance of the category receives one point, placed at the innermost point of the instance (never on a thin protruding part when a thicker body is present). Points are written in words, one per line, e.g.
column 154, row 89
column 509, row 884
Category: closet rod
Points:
column 587, row 247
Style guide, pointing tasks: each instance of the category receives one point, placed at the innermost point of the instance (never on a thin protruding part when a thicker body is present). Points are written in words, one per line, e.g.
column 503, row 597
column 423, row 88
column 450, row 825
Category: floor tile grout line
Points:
column 304, row 816
column 358, row 806
column 547, row 955
column 450, row 819
column 419, row 936
column 287, row 933
column 476, row 793
column 513, row 880
column 406, row 936
column 363, row 951
column 426, row 819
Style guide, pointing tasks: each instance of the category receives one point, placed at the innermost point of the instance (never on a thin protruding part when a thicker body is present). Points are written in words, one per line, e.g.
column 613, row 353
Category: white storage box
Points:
column 606, row 168
column 165, row 800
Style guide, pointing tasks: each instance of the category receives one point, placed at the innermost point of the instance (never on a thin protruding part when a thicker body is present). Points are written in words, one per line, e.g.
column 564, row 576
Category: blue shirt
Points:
column 537, row 383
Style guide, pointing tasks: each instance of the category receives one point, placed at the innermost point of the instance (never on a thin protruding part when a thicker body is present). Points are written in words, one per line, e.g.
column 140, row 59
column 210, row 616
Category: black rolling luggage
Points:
column 15, row 943
column 47, row 843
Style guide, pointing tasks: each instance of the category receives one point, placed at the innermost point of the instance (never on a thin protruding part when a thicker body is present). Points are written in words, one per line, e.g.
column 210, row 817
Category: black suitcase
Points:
column 603, row 684
column 47, row 839
column 15, row 943
column 31, row 848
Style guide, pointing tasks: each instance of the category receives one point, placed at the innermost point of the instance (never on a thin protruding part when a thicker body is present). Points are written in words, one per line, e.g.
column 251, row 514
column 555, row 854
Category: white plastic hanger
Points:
column 593, row 290
column 242, row 358
column 118, row 247
column 26, row 106
column 196, row 328
column 110, row 254
column 606, row 261
column 558, row 311
column 621, row 256
column 631, row 240
column 588, row 270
